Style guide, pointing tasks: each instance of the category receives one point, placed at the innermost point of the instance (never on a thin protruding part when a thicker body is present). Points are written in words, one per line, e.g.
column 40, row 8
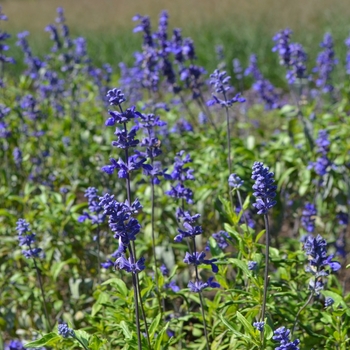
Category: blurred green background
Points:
column 242, row 26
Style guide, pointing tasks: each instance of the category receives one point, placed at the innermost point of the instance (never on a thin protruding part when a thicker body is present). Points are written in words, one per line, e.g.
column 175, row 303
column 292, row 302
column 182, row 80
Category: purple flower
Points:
column 199, row 259
column 107, row 264
column 282, row 335
column 164, row 270
column 198, row 286
column 325, row 64
column 237, row 68
column 316, row 251
column 190, row 231
column 26, row 238
column 122, row 117
column 221, row 239
column 235, row 181
column 343, row 218
column 252, row 265
column 328, row 302
column 115, row 97
column 220, row 82
column 264, row 189
column 262, row 86
column 259, row 326
column 65, row 331
column 126, row 264
column 347, row 65
column 173, row 286
column 323, row 142
column 54, row 37
column 282, row 40
column 15, row 345
column 308, row 217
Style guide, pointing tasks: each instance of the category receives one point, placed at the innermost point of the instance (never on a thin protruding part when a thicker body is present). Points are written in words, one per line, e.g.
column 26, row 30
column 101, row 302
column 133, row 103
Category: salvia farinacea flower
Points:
column 65, row 331
column 328, row 302
column 128, row 265
column 308, row 217
column 292, row 55
column 197, row 258
column 347, row 64
column 325, row 64
column 198, row 285
column 220, row 82
column 252, row 265
column 316, row 251
column 265, row 90
column 27, row 238
column 235, row 181
column 282, row 335
column 259, row 326
column 221, row 238
column 264, row 188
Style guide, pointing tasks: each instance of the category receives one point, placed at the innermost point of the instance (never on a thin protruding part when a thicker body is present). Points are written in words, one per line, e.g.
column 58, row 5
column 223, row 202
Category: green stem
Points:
column 266, row 280
column 201, row 298
column 42, row 295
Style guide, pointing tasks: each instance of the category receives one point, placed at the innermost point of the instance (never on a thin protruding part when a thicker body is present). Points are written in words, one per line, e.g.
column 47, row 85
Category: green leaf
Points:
column 118, row 284
column 83, row 337
column 268, row 332
column 126, row 331
column 154, row 325
column 159, row 339
column 232, row 329
column 259, row 235
column 242, row 265
column 247, row 326
column 57, row 267
column 48, row 339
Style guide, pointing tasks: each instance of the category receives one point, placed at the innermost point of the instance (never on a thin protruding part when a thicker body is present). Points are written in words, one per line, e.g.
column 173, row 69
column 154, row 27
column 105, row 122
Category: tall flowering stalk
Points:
column 236, row 182
column 4, row 47
column 26, row 239
column 282, row 335
column 97, row 217
column 325, row 64
column 265, row 90
column 121, row 215
column 149, row 123
column 190, row 229
column 265, row 192
column 220, row 82
column 292, row 56
column 320, row 266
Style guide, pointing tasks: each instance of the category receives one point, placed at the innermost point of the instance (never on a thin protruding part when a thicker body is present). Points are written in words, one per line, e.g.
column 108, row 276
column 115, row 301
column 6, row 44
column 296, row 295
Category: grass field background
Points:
column 242, row 26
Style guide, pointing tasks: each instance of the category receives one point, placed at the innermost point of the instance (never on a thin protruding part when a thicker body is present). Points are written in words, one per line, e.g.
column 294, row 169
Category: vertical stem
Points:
column 300, row 310
column 241, row 204
column 42, row 295
column 228, row 136
column 266, row 281
column 132, row 251
column 98, row 254
column 200, row 297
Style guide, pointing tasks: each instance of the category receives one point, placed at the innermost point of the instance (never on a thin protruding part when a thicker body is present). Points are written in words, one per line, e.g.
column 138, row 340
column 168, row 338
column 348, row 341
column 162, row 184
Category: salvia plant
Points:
column 134, row 216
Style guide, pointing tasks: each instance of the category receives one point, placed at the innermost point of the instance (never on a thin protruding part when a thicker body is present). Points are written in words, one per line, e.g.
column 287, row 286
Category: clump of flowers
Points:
column 325, row 64
column 265, row 90
column 292, row 56
column 323, row 163
column 308, row 217
column 265, row 190
column 320, row 264
column 65, row 331
column 282, row 335
column 27, row 238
